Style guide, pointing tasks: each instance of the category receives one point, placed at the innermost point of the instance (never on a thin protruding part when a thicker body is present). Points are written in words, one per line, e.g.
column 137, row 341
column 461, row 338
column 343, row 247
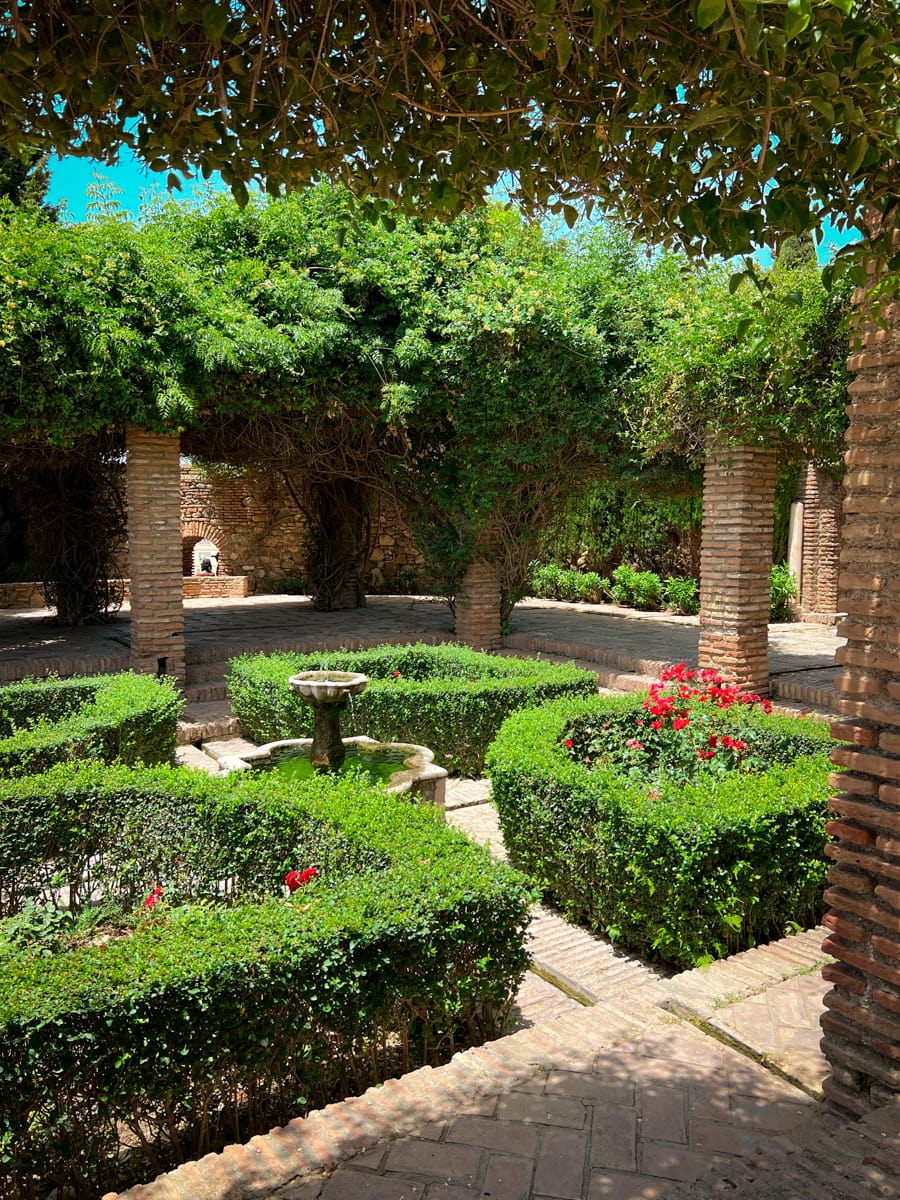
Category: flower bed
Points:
column 129, row 717
column 686, row 824
column 448, row 698
column 223, row 985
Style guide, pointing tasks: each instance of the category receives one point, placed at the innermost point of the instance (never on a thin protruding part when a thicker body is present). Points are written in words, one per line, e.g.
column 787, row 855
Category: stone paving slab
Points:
column 781, row 1026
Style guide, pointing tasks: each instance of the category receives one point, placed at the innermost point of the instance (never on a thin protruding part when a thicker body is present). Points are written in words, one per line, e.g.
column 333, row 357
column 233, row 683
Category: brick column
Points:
column 735, row 564
column 821, row 496
column 862, row 1023
column 478, row 606
column 153, row 481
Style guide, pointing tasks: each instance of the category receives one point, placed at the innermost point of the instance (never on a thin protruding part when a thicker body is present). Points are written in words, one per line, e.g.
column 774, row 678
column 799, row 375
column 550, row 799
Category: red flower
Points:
column 658, row 724
column 634, row 744
column 706, row 754
column 395, row 674
column 713, row 741
column 154, row 897
column 299, row 879
column 568, row 743
column 680, row 723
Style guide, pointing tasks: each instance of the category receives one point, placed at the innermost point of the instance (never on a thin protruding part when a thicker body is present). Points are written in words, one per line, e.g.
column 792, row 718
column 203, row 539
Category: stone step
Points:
column 204, row 672
column 207, row 721
column 203, row 693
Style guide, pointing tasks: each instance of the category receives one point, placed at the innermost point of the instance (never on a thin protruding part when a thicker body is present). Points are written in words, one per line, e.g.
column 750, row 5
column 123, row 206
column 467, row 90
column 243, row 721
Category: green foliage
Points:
column 112, row 326
column 784, row 591
column 685, row 875
column 651, row 522
column 551, row 582
column 24, row 181
column 724, row 364
column 227, row 1007
column 448, row 698
column 682, row 596
column 755, row 121
column 637, row 589
column 127, row 717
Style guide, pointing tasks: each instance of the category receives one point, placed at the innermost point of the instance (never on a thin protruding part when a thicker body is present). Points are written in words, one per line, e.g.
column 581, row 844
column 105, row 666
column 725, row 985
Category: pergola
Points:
column 722, row 124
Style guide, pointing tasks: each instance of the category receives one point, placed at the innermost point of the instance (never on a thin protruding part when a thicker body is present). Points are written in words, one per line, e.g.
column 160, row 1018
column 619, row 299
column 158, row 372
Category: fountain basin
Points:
column 328, row 687
column 414, row 771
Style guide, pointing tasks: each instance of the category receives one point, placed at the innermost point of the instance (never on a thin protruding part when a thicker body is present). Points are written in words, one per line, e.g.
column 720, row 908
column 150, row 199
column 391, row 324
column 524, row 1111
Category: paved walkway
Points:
column 622, row 645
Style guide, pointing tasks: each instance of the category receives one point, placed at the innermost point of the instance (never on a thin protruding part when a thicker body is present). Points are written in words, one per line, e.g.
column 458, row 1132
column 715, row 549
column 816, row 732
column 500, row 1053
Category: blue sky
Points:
column 71, row 177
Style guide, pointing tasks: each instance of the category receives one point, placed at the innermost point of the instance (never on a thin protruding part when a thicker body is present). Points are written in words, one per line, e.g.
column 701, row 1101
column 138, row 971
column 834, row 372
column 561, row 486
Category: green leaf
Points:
column 797, row 17
column 215, row 20
column 856, row 152
column 563, row 47
column 709, row 11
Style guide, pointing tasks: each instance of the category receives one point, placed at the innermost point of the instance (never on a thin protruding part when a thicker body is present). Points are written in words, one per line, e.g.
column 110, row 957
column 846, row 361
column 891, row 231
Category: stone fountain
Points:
column 410, row 768
column 329, row 693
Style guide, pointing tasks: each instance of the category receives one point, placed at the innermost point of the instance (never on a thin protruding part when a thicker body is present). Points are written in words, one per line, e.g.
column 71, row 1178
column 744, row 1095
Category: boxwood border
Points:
column 127, row 716
column 447, row 697
column 700, row 872
column 420, row 941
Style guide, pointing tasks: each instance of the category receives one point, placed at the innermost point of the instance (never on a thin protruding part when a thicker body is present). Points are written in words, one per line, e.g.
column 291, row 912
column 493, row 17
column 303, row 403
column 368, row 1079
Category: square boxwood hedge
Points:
column 128, row 717
column 684, row 877
column 448, row 698
column 130, row 1042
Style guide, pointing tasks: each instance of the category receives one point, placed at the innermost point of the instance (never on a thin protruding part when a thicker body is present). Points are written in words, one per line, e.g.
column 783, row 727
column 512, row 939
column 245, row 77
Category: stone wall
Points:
column 260, row 532
column 862, row 1023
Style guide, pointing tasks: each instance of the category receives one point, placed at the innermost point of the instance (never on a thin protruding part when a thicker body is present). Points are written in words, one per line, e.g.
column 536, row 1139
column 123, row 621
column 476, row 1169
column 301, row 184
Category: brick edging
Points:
column 318, row 1143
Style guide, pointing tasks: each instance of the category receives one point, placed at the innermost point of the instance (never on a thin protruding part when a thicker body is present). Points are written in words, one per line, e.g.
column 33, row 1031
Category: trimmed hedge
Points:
column 448, row 698
column 684, row 877
column 130, row 1041
column 128, row 717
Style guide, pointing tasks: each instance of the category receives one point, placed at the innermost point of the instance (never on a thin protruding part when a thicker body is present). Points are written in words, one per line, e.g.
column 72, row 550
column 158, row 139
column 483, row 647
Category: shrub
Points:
column 783, row 594
column 682, row 596
column 128, row 717
column 448, row 698
column 290, row 585
column 222, row 1006
column 550, row 582
column 636, row 589
column 544, row 580
column 682, row 871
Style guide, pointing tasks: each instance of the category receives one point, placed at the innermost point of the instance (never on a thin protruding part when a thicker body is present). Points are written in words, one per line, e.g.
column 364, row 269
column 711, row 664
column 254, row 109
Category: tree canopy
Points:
column 721, row 124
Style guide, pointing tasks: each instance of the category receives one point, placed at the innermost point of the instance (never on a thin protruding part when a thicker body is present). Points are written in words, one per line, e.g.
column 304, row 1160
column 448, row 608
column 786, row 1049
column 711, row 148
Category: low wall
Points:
column 201, row 587
column 20, row 595
column 194, row 587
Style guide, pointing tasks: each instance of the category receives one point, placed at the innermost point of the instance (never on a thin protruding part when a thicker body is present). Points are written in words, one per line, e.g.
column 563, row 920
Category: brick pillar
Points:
column 735, row 564
column 862, row 1023
column 478, row 606
column 821, row 496
column 153, row 481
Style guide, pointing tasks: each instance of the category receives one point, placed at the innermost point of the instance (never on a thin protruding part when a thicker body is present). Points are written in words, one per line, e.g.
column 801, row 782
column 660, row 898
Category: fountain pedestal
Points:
column 328, row 692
